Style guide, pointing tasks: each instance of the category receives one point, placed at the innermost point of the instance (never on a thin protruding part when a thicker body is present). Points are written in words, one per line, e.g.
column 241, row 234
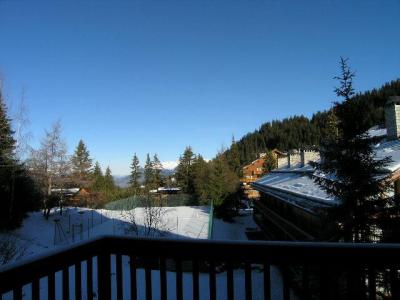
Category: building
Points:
column 254, row 171
column 293, row 207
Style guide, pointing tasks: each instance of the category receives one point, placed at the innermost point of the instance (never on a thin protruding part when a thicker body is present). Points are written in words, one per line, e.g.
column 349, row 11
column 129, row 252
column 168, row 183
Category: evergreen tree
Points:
column 348, row 160
column 81, row 162
column 234, row 158
column 97, row 178
column 148, row 173
column 7, row 142
column 157, row 169
column 18, row 192
column 223, row 185
column 184, row 171
column 135, row 174
column 270, row 162
column 109, row 184
column 201, row 175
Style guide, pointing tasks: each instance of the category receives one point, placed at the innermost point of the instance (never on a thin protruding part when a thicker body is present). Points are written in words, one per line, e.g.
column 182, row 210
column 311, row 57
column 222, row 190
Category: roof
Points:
column 298, row 181
column 65, row 191
column 391, row 150
column 377, row 131
column 300, row 184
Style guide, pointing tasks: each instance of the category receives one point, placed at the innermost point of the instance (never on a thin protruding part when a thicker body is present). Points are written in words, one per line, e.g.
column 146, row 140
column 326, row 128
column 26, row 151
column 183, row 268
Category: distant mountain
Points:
column 123, row 181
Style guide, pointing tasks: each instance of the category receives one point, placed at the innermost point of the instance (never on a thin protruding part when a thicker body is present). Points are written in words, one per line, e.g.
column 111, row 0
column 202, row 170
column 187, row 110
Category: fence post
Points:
column 104, row 276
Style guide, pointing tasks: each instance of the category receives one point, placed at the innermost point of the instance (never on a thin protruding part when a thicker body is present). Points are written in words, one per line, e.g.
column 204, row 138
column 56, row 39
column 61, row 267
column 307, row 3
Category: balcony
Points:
column 98, row 270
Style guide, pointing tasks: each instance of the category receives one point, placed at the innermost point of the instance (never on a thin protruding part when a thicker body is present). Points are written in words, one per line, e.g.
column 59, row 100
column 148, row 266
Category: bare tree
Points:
column 21, row 123
column 154, row 223
column 132, row 228
column 50, row 163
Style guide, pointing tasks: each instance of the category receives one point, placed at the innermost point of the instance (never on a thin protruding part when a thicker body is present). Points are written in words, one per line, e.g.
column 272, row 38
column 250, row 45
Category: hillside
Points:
column 299, row 131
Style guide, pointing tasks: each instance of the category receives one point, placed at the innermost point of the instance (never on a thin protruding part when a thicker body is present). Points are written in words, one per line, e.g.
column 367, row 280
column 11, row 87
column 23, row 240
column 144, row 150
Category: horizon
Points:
column 154, row 77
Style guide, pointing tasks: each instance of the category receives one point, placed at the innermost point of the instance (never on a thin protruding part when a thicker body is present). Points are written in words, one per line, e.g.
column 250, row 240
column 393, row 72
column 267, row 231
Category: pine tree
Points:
column 184, row 171
column 223, row 184
column 348, row 159
column 201, row 175
column 97, row 178
column 7, row 166
column 109, row 184
column 234, row 158
column 157, row 169
column 135, row 174
column 148, row 173
column 7, row 142
column 270, row 162
column 81, row 162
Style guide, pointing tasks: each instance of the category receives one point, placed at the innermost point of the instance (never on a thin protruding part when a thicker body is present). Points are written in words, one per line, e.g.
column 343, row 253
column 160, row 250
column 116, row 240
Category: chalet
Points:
column 254, row 171
column 293, row 207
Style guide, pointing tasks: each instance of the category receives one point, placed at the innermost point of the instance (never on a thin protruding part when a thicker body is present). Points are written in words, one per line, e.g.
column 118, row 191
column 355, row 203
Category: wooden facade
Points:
column 254, row 171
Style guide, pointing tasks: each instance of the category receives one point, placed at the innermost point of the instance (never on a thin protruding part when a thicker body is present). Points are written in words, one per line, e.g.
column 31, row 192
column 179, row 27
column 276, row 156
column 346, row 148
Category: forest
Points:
column 26, row 183
column 301, row 132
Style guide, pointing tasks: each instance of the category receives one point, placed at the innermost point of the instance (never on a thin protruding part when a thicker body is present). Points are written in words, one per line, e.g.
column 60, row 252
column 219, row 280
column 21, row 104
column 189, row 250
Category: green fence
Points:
column 210, row 221
column 137, row 201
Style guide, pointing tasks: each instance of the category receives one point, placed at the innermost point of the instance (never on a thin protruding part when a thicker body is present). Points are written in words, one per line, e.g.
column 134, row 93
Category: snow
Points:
column 235, row 231
column 77, row 224
column 376, row 131
column 295, row 183
column 170, row 165
column 390, row 149
column 221, row 231
column 298, row 180
column 182, row 222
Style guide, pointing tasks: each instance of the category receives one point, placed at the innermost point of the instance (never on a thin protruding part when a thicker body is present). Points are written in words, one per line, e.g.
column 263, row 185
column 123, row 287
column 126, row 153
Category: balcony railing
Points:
column 98, row 269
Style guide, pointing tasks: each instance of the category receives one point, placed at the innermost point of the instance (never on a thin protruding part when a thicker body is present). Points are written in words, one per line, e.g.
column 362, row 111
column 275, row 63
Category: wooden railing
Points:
column 97, row 269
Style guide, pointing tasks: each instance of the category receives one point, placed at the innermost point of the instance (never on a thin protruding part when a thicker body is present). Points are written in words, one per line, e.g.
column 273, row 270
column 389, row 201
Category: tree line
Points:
column 301, row 132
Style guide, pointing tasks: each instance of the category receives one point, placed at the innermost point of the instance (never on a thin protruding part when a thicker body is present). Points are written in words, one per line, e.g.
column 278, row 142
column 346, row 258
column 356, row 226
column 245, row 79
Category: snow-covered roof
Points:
column 170, row 189
column 295, row 184
column 298, row 181
column 297, row 168
column 66, row 191
column 390, row 149
column 377, row 131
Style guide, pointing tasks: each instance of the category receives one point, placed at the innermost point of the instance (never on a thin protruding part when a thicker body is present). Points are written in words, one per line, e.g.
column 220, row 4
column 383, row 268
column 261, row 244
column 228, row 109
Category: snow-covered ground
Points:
column 38, row 235
column 76, row 224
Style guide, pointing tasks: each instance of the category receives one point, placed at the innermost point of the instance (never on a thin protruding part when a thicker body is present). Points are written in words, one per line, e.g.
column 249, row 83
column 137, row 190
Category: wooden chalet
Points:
column 254, row 171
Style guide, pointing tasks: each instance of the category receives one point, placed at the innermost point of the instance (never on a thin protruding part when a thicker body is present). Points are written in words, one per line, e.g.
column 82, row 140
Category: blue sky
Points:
column 156, row 76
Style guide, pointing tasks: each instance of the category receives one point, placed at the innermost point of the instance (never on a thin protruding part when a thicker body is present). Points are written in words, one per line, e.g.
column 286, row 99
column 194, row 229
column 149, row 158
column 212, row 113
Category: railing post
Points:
column 163, row 279
column 104, row 276
column 248, row 281
column 179, row 282
column 267, row 281
column 89, row 278
column 51, row 289
column 196, row 288
column 78, row 281
column 65, row 283
column 212, row 279
column 118, row 267
column 132, row 271
column 229, row 280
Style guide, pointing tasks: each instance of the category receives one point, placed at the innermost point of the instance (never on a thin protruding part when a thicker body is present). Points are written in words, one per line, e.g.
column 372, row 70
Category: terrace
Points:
column 96, row 269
